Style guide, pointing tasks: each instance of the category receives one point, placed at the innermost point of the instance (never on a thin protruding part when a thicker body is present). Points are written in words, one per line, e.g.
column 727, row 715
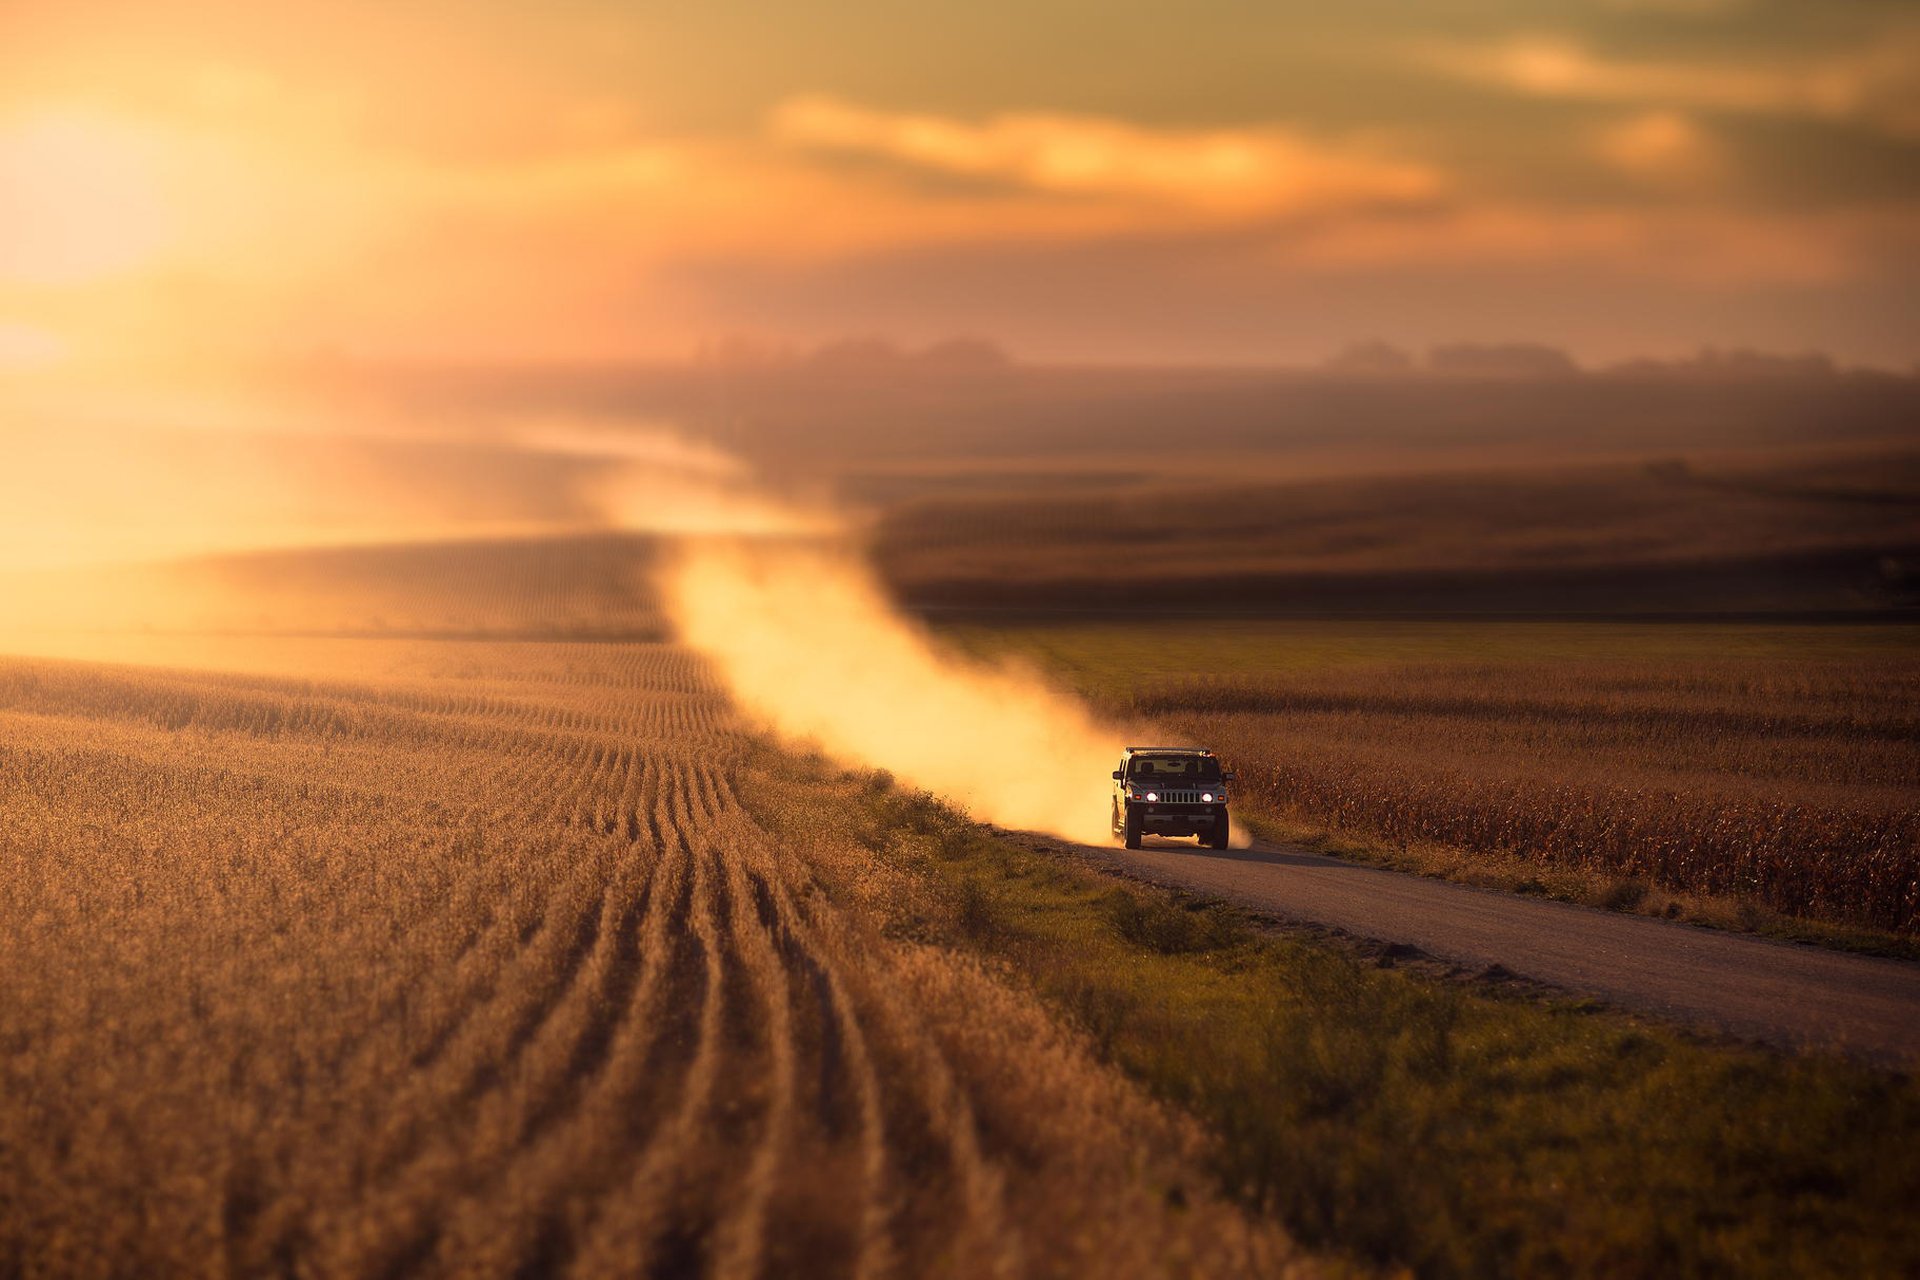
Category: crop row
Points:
column 487, row 967
column 1792, row 788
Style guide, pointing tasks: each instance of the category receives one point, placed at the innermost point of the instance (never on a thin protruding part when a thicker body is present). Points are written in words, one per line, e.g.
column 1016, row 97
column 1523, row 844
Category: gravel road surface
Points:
column 1782, row 993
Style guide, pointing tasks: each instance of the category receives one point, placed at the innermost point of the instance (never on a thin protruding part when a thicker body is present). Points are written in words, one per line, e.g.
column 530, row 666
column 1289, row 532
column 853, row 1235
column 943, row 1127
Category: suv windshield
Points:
column 1175, row 768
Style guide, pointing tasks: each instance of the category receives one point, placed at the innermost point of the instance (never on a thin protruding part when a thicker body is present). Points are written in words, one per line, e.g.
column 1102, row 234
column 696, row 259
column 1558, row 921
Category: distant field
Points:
column 1773, row 764
column 1754, row 533
column 822, row 419
column 1770, row 534
column 592, row 587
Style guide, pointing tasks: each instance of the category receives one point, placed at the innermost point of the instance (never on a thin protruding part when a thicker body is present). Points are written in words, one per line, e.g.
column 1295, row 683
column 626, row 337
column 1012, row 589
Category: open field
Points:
column 1763, row 533
column 1773, row 532
column 506, row 957
column 1774, row 766
column 445, row 918
column 464, row 958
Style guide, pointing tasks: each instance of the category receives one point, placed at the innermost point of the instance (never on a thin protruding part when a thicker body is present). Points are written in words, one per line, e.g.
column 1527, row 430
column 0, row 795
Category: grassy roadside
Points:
column 1407, row 1120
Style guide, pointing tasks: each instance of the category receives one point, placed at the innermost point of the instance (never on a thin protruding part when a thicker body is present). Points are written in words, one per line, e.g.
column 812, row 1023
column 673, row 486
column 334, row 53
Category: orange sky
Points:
column 1222, row 181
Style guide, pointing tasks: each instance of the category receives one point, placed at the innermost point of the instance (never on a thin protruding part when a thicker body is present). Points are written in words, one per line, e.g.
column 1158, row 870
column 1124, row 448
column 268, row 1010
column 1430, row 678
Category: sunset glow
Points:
column 84, row 201
column 597, row 183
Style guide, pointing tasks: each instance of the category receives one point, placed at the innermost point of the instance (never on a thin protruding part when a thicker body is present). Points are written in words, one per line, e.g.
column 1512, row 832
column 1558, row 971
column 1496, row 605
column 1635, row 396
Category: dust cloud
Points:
column 657, row 480
column 805, row 639
column 106, row 529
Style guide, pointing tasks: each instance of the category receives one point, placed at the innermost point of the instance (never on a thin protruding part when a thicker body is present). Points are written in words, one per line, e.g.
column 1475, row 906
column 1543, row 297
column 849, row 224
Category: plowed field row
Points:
column 481, row 965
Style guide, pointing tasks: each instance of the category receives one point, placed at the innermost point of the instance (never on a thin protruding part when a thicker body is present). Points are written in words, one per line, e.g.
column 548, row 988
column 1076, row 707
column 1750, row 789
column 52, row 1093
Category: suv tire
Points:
column 1217, row 838
column 1132, row 828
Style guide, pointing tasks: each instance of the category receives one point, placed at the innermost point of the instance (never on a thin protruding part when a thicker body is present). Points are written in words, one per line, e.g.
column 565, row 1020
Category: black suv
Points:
column 1170, row 791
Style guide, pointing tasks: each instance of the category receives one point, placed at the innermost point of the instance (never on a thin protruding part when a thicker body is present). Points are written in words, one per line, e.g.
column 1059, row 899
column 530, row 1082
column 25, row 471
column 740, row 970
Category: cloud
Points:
column 1677, row 8
column 1695, row 246
column 285, row 230
column 24, row 346
column 1262, row 170
column 83, row 198
column 1877, row 86
column 1663, row 146
column 591, row 240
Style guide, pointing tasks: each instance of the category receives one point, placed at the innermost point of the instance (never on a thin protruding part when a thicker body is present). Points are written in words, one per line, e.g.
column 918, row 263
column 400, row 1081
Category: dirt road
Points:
column 1781, row 993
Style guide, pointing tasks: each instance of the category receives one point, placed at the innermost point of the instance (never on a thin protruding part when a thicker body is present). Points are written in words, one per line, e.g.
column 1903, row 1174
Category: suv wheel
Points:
column 1133, row 828
column 1217, row 838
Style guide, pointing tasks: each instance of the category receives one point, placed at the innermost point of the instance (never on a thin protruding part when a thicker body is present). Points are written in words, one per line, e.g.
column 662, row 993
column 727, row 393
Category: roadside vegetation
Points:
column 1407, row 1119
column 1750, row 777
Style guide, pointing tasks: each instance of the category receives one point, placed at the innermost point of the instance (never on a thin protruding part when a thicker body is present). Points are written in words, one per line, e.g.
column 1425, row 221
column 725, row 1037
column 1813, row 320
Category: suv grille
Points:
column 1180, row 797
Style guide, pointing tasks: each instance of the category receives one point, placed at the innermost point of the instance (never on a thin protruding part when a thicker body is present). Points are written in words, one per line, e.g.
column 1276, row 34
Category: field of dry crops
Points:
column 1782, row 532
column 474, row 957
column 1769, row 765
column 1788, row 782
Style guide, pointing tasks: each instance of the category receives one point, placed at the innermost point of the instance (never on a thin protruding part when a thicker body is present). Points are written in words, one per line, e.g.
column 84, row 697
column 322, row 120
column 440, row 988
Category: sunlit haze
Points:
column 1009, row 640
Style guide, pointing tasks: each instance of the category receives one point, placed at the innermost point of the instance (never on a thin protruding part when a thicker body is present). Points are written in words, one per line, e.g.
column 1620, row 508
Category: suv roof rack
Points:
column 1175, row 751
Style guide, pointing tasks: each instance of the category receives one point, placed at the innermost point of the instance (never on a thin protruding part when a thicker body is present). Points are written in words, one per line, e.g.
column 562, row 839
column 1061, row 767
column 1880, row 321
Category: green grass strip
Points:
column 1407, row 1119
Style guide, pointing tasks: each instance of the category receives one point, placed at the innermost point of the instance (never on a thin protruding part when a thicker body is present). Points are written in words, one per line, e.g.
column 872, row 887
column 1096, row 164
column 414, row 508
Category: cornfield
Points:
column 474, row 958
column 1789, row 782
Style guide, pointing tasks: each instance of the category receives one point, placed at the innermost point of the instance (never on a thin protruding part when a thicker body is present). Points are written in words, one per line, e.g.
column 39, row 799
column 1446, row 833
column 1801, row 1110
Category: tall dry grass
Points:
column 1790, row 782
column 478, row 965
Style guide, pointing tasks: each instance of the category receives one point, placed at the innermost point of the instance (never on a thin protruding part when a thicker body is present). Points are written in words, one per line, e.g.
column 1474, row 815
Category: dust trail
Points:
column 805, row 638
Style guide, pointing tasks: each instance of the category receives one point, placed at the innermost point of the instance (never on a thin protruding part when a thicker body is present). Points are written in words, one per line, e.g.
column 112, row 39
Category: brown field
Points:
column 826, row 420
column 1776, row 766
column 467, row 959
column 432, row 913
column 1761, row 532
column 352, row 953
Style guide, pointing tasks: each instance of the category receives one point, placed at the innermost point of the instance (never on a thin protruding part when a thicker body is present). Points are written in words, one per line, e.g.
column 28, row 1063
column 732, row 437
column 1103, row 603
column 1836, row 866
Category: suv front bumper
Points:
column 1179, row 819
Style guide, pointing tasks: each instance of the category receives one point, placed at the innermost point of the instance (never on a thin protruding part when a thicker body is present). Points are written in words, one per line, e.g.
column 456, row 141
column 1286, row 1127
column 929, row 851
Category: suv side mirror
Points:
column 1117, row 775
column 1226, row 777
